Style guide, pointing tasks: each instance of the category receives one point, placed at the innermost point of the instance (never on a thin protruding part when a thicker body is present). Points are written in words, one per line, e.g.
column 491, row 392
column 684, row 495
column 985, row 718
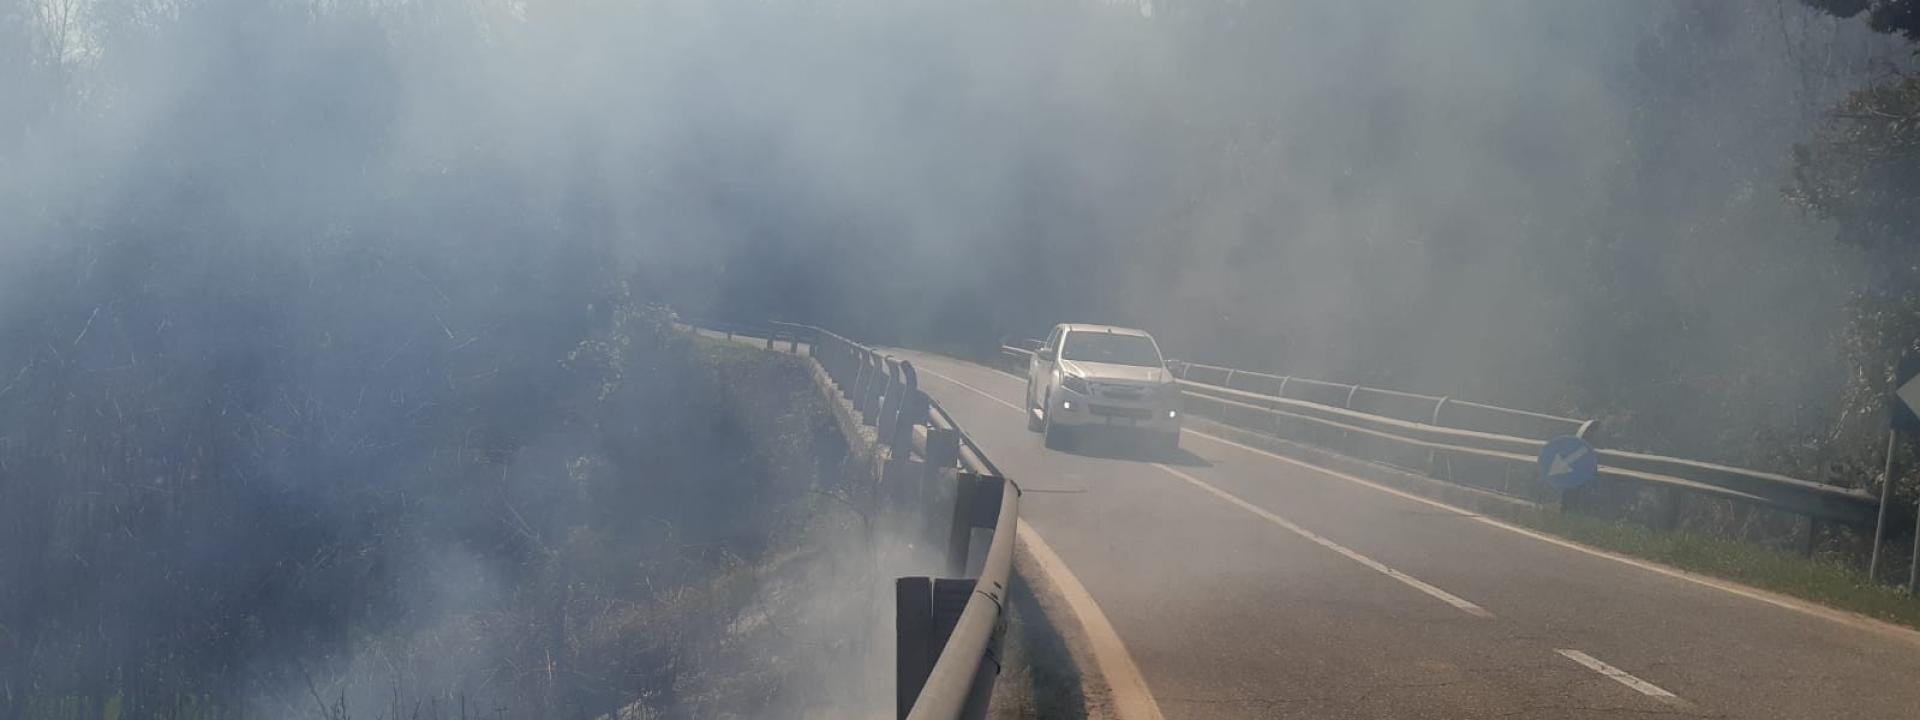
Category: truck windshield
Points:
column 1111, row 348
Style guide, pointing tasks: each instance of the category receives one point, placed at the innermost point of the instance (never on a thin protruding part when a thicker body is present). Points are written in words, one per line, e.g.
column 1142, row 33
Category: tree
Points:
column 1887, row 16
column 1862, row 168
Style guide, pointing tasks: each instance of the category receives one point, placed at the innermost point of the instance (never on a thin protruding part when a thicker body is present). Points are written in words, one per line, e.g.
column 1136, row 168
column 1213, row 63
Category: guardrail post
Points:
column 976, row 504
column 943, row 451
column 925, row 613
column 858, row 368
column 874, row 390
column 914, row 648
column 1434, row 458
column 862, row 378
column 1880, row 519
column 1667, row 511
column 889, row 379
column 1348, row 443
column 909, row 409
column 868, row 376
column 890, row 402
column 862, row 374
column 873, row 380
column 1812, row 540
column 960, row 530
column 900, row 485
column 912, row 412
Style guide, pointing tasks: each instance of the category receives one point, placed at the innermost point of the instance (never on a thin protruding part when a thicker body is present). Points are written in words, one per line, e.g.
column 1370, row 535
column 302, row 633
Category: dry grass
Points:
column 1824, row 581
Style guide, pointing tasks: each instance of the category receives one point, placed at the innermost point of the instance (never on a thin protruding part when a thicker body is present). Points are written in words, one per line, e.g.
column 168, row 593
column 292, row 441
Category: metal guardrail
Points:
column 1351, row 411
column 948, row 630
column 773, row 332
column 1438, row 410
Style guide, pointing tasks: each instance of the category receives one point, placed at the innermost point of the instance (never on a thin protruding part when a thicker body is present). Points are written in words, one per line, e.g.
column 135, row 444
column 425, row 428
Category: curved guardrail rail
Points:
column 1431, row 409
column 1335, row 407
column 948, row 630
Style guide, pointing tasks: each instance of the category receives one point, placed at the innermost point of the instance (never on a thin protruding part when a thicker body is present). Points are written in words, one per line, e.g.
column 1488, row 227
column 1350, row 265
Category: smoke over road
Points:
column 312, row 247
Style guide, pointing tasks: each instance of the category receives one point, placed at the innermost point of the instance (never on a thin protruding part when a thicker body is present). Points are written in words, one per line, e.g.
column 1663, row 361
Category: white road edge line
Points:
column 1860, row 622
column 977, row 391
column 1449, row 598
column 1130, row 697
column 1410, row 581
column 1842, row 617
column 1621, row 676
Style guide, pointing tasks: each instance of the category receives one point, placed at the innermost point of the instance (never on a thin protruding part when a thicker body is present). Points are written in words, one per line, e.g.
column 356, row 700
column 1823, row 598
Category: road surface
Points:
column 1243, row 585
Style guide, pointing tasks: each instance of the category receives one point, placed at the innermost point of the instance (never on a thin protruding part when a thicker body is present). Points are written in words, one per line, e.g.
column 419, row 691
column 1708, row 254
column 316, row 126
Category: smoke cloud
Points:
column 306, row 246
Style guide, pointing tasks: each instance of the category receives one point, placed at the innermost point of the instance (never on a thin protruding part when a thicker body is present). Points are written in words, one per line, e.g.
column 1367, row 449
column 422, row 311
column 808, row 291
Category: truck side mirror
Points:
column 1047, row 354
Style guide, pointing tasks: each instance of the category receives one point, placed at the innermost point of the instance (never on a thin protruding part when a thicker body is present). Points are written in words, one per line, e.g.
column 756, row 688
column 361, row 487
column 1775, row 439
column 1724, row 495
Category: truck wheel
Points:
column 1056, row 437
column 1033, row 418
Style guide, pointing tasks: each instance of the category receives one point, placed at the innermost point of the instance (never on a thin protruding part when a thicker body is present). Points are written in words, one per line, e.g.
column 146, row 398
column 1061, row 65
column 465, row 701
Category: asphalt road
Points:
column 1243, row 585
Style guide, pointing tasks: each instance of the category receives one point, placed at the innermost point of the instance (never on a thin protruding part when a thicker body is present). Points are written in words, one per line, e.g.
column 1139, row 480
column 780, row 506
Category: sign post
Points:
column 1880, row 522
column 1913, row 572
column 1906, row 397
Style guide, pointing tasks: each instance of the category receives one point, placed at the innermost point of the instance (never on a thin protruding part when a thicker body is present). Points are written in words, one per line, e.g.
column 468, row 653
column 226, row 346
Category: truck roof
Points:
column 1115, row 329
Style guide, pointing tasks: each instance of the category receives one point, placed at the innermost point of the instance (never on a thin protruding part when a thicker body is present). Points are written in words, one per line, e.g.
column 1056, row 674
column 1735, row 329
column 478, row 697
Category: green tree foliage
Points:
column 1887, row 16
column 1860, row 169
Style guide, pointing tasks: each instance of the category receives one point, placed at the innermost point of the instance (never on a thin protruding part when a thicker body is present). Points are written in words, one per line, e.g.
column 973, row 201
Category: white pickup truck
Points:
column 1101, row 377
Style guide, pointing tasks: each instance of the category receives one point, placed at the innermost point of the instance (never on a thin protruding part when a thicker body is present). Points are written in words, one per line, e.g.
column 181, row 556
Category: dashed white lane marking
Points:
column 1850, row 619
column 1410, row 581
column 1621, row 676
column 1130, row 698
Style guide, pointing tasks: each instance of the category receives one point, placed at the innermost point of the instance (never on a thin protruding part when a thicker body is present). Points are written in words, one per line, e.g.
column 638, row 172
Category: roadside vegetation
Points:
column 625, row 523
column 1827, row 581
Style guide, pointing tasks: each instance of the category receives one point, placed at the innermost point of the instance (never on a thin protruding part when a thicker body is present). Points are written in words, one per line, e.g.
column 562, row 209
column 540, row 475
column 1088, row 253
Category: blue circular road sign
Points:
column 1568, row 462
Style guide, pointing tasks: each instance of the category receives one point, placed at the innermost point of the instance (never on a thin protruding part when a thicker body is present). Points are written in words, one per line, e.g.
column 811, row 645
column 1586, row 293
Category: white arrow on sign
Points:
column 1563, row 464
column 1910, row 393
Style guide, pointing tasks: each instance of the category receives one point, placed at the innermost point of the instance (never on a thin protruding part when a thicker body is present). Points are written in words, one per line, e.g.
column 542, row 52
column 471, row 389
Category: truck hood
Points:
column 1116, row 373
